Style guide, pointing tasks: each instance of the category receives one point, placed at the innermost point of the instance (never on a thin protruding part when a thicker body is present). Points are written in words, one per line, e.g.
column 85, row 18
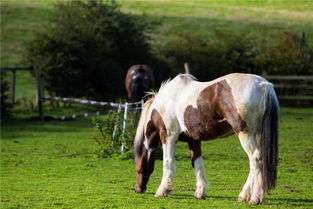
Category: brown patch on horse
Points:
column 156, row 129
column 216, row 114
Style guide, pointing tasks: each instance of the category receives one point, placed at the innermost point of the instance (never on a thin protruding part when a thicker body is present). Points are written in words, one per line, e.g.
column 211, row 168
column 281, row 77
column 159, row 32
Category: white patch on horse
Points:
column 202, row 183
column 169, row 168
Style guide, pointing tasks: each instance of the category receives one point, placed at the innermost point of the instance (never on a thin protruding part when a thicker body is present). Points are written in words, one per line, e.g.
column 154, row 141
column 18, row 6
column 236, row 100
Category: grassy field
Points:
column 53, row 165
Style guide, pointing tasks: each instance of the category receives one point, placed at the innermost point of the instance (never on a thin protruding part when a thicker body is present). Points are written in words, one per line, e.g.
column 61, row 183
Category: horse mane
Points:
column 139, row 137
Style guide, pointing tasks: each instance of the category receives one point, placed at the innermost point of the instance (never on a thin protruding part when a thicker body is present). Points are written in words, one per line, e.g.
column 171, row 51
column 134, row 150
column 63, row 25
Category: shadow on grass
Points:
column 268, row 201
column 288, row 201
column 190, row 196
column 18, row 127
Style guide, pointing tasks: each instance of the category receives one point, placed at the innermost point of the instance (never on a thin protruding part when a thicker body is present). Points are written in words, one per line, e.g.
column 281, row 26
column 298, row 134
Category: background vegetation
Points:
column 112, row 140
column 87, row 47
column 6, row 103
column 241, row 35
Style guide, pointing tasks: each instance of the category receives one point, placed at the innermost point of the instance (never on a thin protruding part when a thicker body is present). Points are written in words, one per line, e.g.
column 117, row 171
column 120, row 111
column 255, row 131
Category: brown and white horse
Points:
column 191, row 111
column 139, row 79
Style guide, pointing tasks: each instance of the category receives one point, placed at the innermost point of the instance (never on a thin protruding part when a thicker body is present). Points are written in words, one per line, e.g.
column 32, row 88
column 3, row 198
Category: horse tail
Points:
column 268, row 136
column 139, row 137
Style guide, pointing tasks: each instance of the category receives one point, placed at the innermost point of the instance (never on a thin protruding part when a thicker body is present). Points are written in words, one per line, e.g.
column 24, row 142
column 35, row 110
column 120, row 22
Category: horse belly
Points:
column 209, row 130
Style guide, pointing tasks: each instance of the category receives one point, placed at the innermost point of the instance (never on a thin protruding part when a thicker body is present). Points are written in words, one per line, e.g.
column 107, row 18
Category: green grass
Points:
column 19, row 21
column 53, row 165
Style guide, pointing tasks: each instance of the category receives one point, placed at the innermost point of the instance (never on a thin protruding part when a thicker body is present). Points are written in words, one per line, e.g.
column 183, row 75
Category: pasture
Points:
column 53, row 165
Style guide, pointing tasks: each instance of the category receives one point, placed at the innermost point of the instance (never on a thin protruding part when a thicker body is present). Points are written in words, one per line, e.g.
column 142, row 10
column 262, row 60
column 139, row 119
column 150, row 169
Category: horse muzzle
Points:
column 138, row 189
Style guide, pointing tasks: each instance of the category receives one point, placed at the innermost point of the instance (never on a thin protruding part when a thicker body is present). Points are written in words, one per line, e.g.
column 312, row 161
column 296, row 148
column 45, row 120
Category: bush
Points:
column 208, row 61
column 6, row 106
column 290, row 55
column 109, row 145
column 87, row 48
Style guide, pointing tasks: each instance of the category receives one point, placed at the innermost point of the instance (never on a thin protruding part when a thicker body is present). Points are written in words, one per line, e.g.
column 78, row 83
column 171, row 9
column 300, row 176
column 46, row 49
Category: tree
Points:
column 87, row 47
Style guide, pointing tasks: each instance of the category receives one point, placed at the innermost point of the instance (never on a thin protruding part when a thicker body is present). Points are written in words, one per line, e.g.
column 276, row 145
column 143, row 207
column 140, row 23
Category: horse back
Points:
column 208, row 110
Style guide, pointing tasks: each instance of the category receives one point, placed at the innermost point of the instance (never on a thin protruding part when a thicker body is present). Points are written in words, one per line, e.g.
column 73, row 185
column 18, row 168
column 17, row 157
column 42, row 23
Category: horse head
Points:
column 139, row 79
column 146, row 141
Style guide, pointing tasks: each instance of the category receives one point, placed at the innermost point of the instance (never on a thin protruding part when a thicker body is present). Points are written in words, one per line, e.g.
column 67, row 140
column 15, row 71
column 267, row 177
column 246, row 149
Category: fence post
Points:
column 39, row 93
column 117, row 120
column 125, row 117
column 142, row 104
column 13, row 85
column 264, row 73
column 124, row 124
column 187, row 68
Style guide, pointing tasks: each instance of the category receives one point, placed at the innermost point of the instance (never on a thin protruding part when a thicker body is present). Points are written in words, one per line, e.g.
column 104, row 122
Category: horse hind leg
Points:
column 252, row 191
column 197, row 163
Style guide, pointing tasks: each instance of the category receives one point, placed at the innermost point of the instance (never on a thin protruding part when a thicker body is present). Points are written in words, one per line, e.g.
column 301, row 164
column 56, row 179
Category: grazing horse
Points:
column 191, row 111
column 138, row 81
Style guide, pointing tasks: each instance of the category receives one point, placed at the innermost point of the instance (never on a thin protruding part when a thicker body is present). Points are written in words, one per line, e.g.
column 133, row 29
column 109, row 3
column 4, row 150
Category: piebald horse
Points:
column 139, row 79
column 191, row 111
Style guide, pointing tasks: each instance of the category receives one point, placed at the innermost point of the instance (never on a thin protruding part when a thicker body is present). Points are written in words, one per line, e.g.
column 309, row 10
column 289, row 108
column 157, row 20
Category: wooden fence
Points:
column 13, row 80
column 294, row 89
column 291, row 88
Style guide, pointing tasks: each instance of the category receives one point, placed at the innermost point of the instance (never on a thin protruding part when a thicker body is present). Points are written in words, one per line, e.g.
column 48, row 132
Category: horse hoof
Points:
column 162, row 195
column 254, row 201
column 139, row 190
column 200, row 197
column 165, row 193
column 241, row 199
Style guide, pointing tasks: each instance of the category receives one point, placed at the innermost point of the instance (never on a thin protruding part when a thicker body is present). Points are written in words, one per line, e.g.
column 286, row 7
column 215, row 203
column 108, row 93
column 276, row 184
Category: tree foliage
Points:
column 87, row 47
column 289, row 55
column 6, row 106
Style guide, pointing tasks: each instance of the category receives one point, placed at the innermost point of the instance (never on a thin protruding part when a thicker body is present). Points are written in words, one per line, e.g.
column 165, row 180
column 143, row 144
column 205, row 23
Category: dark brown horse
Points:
column 138, row 81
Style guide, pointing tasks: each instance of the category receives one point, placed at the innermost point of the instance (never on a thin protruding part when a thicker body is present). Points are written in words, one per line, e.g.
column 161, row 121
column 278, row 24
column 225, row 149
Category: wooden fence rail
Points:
column 288, row 77
column 13, row 70
column 288, row 87
column 292, row 87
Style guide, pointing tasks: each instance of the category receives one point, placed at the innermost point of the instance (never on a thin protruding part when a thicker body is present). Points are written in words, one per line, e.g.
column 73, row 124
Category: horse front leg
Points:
column 197, row 163
column 165, row 187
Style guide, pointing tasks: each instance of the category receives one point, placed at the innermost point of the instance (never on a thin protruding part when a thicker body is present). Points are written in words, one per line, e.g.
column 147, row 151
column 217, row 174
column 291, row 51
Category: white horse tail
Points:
column 268, row 136
column 139, row 137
